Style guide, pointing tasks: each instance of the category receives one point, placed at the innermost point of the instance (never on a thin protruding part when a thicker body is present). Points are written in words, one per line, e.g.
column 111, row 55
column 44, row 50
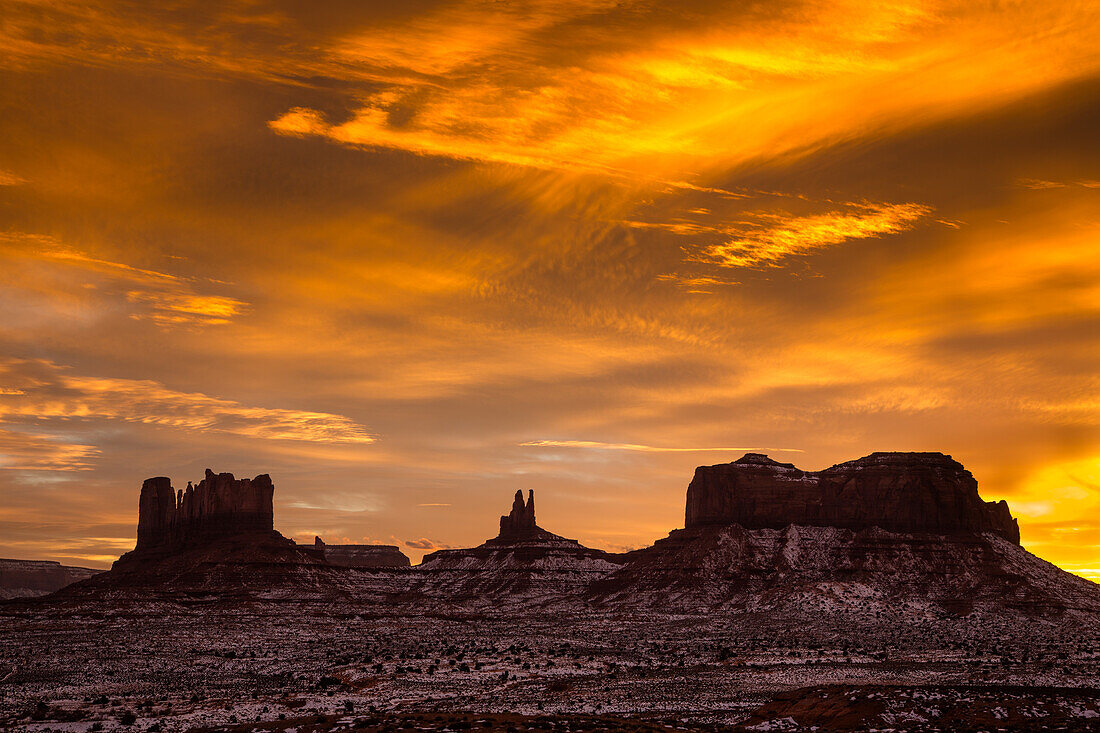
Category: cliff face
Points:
column 898, row 492
column 220, row 506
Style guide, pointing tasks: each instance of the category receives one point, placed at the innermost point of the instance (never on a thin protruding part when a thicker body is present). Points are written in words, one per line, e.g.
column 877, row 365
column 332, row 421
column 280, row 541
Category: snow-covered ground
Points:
column 180, row 667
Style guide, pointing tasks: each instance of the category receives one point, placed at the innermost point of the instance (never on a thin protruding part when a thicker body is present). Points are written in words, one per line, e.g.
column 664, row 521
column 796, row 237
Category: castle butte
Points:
column 228, row 524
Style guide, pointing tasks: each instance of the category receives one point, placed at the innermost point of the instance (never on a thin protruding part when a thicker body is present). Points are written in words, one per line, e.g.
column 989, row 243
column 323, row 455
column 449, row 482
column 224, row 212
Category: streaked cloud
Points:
column 186, row 308
column 491, row 86
column 50, row 392
column 697, row 283
column 42, row 264
column 642, row 448
column 20, row 451
column 336, row 502
column 1037, row 184
column 783, row 238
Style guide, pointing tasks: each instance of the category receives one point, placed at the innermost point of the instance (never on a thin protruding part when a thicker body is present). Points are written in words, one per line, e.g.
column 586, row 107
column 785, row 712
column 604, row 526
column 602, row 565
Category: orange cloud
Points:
column 30, row 452
column 770, row 246
column 640, row 448
column 41, row 262
column 1056, row 503
column 483, row 84
column 696, row 284
column 7, row 178
column 186, row 308
column 49, row 392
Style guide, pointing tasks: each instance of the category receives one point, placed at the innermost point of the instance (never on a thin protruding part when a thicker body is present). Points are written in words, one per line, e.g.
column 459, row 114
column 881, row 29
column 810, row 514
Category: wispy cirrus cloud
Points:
column 22, row 451
column 43, row 263
column 697, row 283
column 1038, row 184
column 641, row 448
column 42, row 392
column 568, row 86
column 789, row 236
column 183, row 308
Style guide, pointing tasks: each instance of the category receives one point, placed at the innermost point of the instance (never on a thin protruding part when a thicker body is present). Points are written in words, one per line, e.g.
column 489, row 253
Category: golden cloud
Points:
column 641, row 448
column 31, row 452
column 478, row 81
column 41, row 262
column 7, row 178
column 800, row 235
column 50, row 392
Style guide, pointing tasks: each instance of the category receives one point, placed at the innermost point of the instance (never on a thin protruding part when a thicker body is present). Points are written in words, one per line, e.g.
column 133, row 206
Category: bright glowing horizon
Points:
column 407, row 260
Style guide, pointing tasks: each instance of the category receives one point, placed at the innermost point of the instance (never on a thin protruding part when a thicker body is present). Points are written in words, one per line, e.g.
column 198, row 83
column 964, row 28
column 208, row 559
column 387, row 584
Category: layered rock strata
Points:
column 897, row 492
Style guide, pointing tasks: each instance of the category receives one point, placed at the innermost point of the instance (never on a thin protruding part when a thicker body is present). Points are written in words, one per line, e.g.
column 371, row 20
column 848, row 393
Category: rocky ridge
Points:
column 870, row 572
column 739, row 551
column 31, row 578
column 362, row 556
column 220, row 507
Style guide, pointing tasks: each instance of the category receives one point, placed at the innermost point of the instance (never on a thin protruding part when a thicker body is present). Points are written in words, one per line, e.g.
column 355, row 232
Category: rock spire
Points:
column 520, row 522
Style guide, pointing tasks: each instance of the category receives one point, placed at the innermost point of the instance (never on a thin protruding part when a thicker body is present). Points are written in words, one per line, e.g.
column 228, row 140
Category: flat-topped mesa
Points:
column 220, row 506
column 362, row 556
column 898, row 492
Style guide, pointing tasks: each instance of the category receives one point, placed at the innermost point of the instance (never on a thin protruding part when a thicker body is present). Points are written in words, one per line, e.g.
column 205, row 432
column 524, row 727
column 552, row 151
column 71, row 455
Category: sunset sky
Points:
column 408, row 257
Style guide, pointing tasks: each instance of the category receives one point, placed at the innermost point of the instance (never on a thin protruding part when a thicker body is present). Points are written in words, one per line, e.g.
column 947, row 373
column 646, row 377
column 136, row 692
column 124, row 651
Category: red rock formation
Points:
column 362, row 556
column 523, row 560
column 216, row 538
column 521, row 520
column 898, row 492
column 220, row 506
